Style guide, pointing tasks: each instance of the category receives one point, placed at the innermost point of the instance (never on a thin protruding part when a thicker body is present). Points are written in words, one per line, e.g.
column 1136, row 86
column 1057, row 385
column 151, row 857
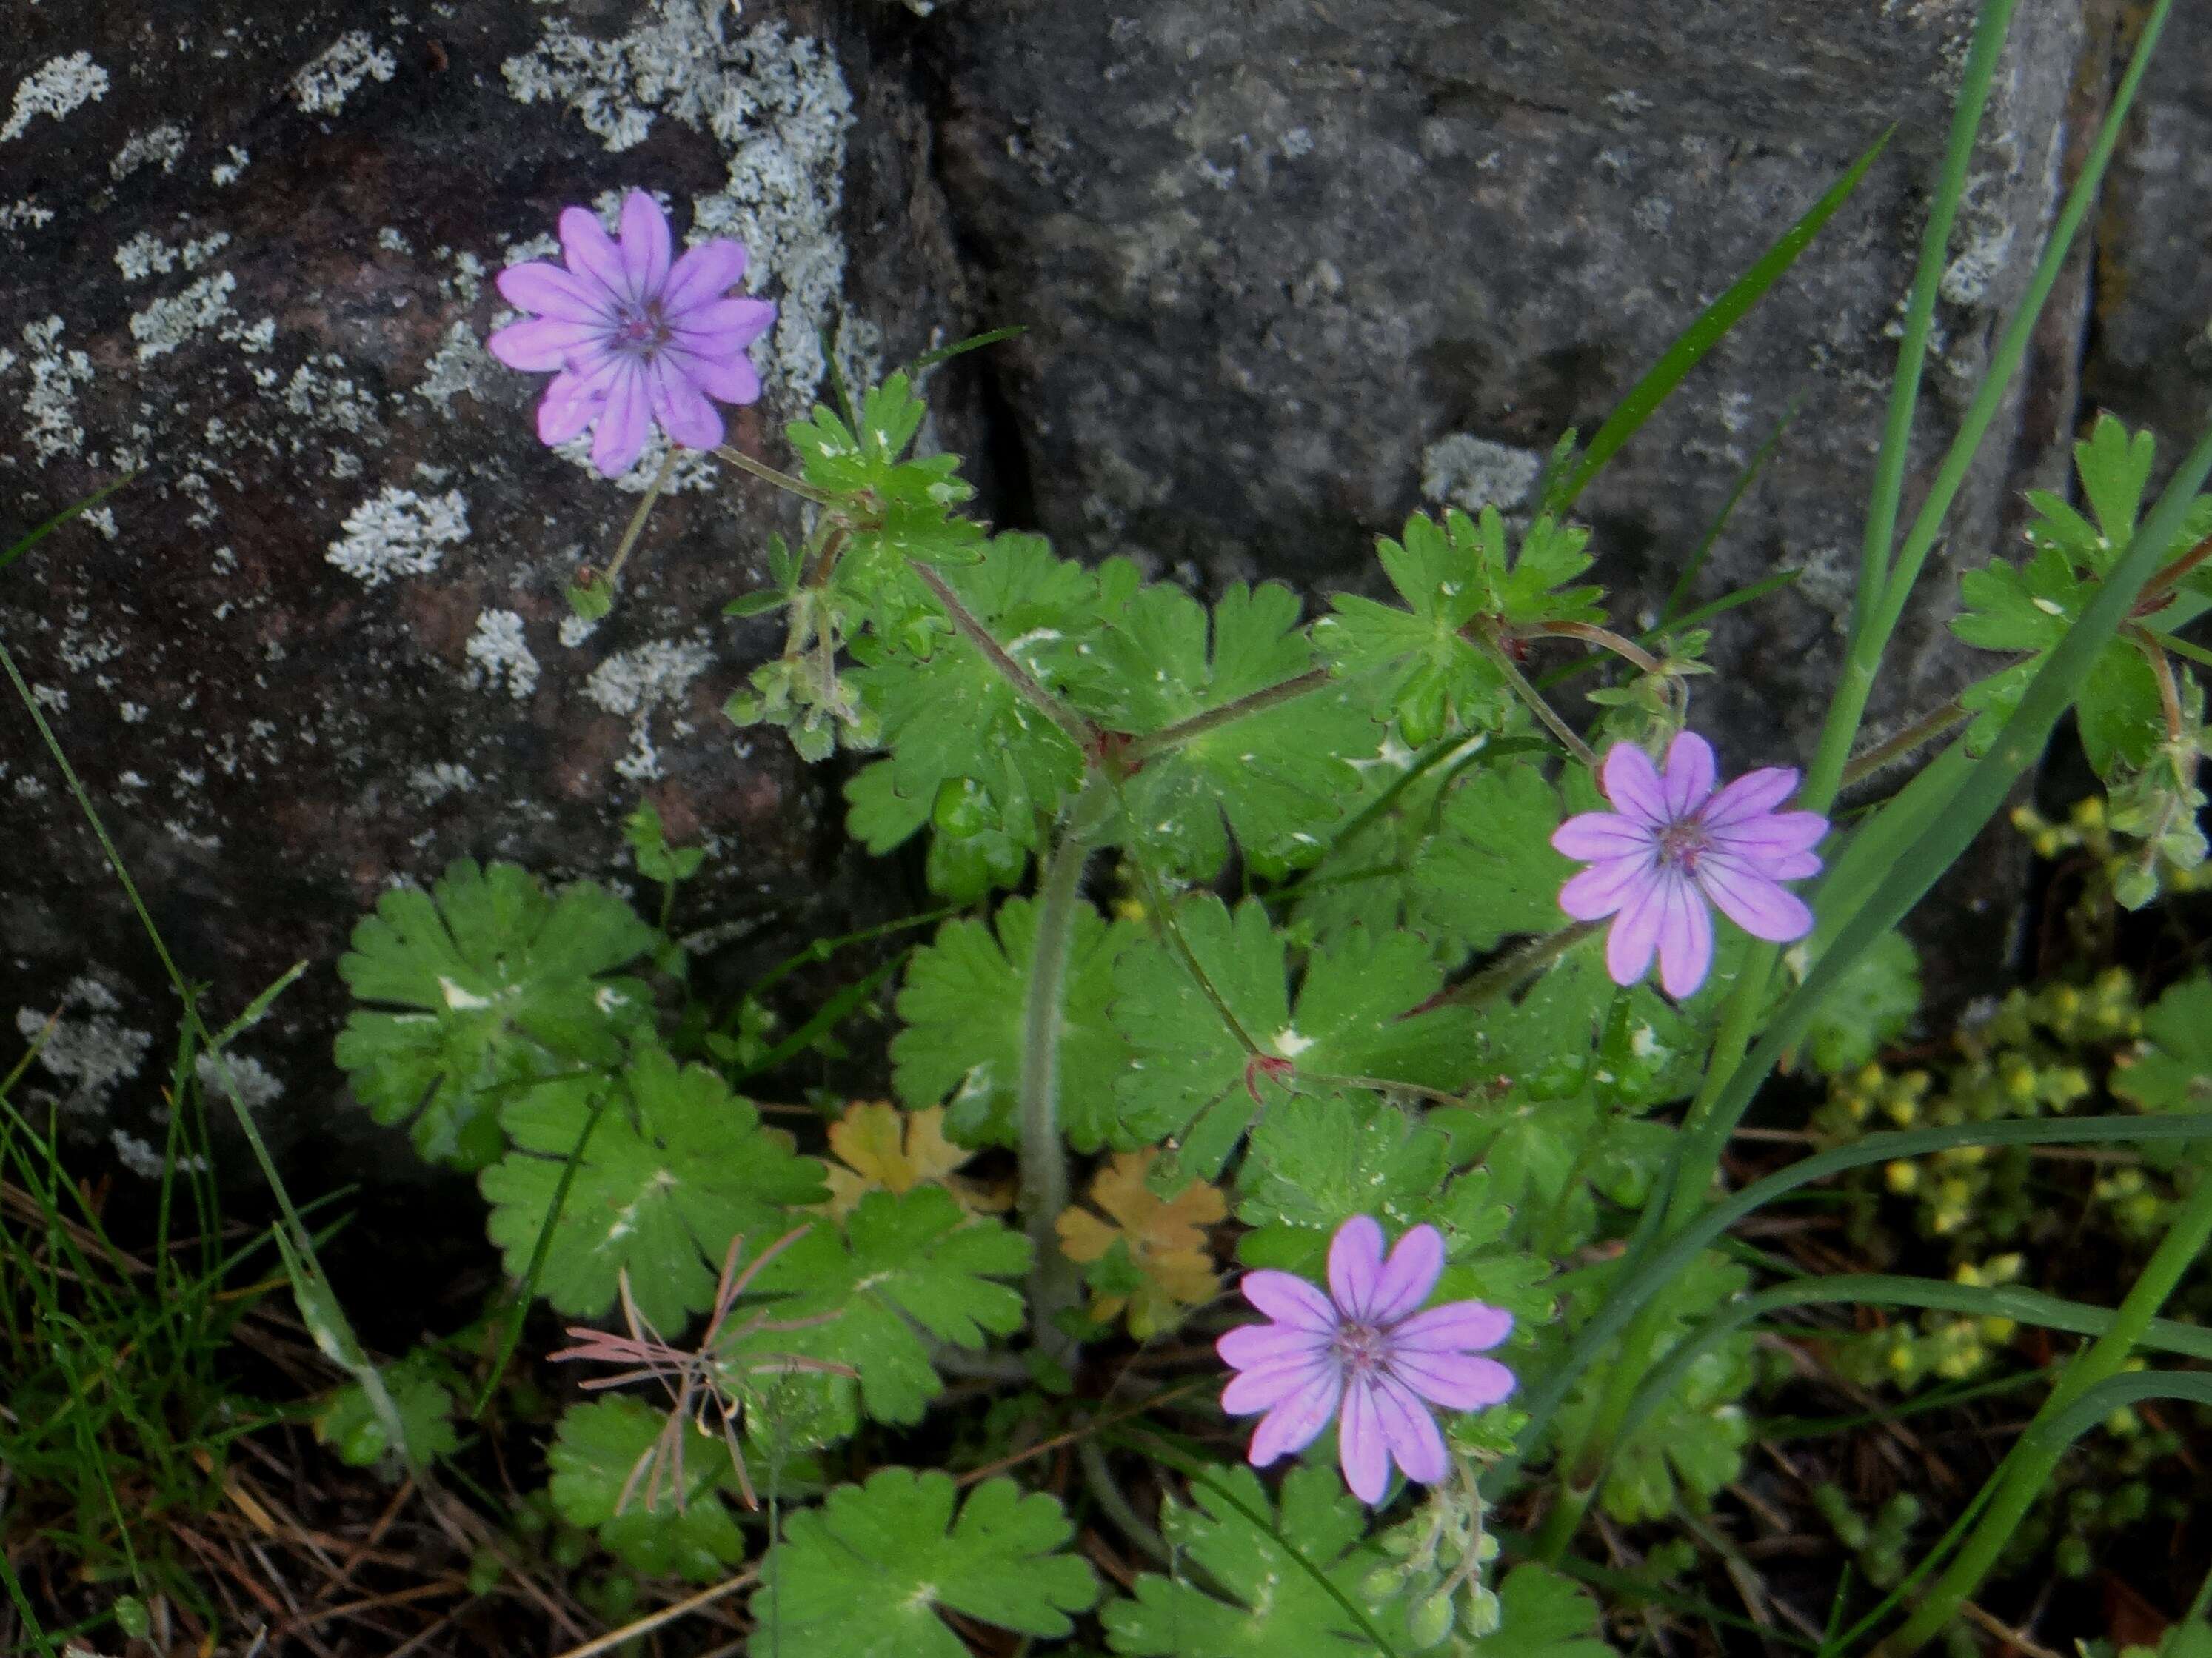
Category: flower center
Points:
column 641, row 333
column 1360, row 1346
column 1681, row 843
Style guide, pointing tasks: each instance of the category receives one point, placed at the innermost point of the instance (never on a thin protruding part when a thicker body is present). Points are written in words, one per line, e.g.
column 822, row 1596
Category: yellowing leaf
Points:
column 1165, row 1242
column 884, row 1149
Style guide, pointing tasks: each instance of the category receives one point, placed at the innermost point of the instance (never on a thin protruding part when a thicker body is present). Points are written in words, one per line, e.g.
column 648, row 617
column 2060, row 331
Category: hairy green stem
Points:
column 636, row 528
column 784, row 481
column 1082, row 733
column 1043, row 1151
column 1891, row 749
column 1173, row 737
column 2026, row 1469
column 1113, row 1502
column 1534, row 699
column 1606, row 640
column 1501, row 977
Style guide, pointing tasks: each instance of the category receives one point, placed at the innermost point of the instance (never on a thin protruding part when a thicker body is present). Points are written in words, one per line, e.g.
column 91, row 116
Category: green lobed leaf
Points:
column 963, row 1005
column 1869, row 1008
column 1357, row 1015
column 473, row 991
column 1542, row 1614
column 421, row 1387
column 1688, row 1450
column 866, row 1574
column 2172, row 1071
column 948, row 716
column 904, row 1267
column 1490, row 872
column 1274, row 779
column 1249, row 1597
column 598, row 1453
column 675, row 1168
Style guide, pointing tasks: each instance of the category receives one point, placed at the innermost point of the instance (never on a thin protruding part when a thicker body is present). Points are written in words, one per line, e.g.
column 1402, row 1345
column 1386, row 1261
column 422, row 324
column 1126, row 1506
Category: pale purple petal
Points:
column 1355, row 1266
column 623, row 423
column 1262, row 1389
column 1362, row 1451
column 682, row 408
column 591, row 253
column 1463, row 1382
column 1250, row 1345
column 1751, row 795
column 1754, row 903
column 1631, row 783
column 1635, row 933
column 1689, row 773
column 645, row 245
column 571, row 402
column 549, row 291
column 1411, row 1431
column 543, row 345
column 1409, row 1276
column 723, row 326
column 1794, row 868
column 702, row 275
column 1455, row 1326
column 731, row 380
column 1770, row 835
column 1289, row 1299
column 1686, row 940
column 1590, row 836
column 1298, row 1421
column 1604, row 888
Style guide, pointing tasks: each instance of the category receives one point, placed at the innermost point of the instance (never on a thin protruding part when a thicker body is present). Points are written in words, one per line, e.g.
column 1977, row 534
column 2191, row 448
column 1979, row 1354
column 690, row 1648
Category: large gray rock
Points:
column 320, row 645
column 1288, row 268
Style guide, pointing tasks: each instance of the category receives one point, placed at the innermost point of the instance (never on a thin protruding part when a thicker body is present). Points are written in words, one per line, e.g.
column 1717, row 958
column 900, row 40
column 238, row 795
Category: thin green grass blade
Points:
column 1710, row 328
column 1887, row 1290
column 929, row 360
column 1868, row 644
column 1990, row 28
column 1744, row 480
column 311, row 1287
column 1952, row 826
column 1626, row 1298
column 61, row 518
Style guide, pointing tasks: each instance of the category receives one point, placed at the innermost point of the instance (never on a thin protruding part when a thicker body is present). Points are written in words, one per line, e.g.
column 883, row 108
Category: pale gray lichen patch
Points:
column 56, row 88
column 49, row 407
column 457, row 366
column 166, row 324
column 255, row 1084
column 399, row 533
column 230, row 172
column 164, row 144
column 433, row 783
column 1466, row 472
column 499, row 655
column 778, row 108
column 633, row 683
column 25, row 214
column 325, row 395
column 147, row 255
column 84, row 1044
column 323, row 85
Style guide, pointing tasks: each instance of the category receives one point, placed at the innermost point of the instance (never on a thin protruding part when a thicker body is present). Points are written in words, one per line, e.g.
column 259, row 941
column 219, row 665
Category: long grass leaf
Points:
column 1710, row 328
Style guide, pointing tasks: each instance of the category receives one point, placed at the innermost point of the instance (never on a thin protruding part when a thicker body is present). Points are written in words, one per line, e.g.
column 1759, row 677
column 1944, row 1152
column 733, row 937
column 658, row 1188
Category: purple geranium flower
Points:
column 631, row 337
column 1366, row 1348
column 1672, row 845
